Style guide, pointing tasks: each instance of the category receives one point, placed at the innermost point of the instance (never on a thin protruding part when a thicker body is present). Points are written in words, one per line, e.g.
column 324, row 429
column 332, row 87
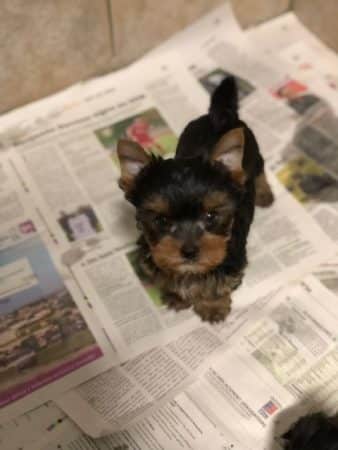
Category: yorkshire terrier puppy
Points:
column 313, row 432
column 195, row 211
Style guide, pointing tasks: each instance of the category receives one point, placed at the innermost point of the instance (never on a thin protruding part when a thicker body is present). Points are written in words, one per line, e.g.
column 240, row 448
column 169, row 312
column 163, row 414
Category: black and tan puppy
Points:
column 195, row 211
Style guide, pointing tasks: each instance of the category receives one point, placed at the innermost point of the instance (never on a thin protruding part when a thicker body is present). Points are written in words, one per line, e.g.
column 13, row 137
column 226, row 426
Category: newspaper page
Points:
column 179, row 425
column 49, row 340
column 289, row 352
column 25, row 120
column 27, row 429
column 327, row 274
column 165, row 350
column 286, row 38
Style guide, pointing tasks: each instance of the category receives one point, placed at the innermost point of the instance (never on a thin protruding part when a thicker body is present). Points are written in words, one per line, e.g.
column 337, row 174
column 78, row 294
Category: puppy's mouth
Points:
column 169, row 258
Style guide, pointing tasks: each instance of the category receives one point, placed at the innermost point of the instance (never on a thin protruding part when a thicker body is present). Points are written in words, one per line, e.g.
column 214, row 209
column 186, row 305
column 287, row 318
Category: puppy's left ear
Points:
column 132, row 159
column 229, row 151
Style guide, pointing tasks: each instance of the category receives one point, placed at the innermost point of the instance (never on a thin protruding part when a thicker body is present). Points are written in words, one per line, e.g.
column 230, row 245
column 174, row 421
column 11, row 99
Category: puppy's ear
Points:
column 229, row 151
column 132, row 159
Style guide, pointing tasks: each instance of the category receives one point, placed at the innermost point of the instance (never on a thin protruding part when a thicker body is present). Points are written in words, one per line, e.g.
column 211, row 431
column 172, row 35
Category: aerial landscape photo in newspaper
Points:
column 43, row 335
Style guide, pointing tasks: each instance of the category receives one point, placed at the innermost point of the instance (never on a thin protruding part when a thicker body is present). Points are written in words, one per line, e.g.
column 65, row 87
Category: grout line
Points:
column 111, row 27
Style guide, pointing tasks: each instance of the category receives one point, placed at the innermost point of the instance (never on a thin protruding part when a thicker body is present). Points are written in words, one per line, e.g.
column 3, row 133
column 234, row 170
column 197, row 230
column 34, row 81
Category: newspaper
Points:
column 59, row 177
column 49, row 340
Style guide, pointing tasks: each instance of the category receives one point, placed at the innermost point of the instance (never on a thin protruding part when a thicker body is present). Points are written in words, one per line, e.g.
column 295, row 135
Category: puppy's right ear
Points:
column 132, row 159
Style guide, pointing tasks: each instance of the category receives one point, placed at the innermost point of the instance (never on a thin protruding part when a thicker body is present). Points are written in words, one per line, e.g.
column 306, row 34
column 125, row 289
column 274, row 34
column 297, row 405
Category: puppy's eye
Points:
column 210, row 217
column 161, row 221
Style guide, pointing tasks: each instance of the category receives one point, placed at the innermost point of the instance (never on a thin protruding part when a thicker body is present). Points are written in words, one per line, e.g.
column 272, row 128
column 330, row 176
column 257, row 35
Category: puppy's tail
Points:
column 223, row 109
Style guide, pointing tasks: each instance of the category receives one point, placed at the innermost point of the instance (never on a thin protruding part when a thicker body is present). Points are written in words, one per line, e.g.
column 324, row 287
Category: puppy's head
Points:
column 313, row 432
column 185, row 207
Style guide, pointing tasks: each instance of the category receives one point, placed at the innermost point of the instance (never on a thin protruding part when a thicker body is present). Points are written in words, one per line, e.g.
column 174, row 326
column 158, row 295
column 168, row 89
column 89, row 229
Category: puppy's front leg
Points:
column 214, row 310
column 174, row 301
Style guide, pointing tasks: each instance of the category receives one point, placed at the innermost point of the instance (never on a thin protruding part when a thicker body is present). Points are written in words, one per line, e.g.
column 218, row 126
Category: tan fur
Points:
column 157, row 204
column 214, row 200
column 212, row 251
column 230, row 150
column 264, row 195
column 167, row 254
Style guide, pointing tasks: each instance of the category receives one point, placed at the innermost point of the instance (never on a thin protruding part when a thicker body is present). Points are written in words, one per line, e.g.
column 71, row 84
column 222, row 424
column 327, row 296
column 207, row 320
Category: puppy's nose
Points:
column 189, row 251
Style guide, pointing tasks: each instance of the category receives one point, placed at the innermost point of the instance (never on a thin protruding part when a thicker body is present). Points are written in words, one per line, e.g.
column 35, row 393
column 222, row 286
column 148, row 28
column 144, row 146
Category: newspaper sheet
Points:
column 28, row 429
column 49, row 340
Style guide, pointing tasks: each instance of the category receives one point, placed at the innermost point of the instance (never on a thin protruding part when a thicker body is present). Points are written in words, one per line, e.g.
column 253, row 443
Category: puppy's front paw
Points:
column 213, row 311
column 175, row 302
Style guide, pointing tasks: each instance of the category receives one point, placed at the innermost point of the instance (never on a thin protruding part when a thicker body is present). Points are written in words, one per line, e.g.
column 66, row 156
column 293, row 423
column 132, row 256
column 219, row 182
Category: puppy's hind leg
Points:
column 264, row 195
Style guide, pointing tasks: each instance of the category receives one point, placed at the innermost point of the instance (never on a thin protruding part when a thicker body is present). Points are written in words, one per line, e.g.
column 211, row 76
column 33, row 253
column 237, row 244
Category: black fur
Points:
column 186, row 178
column 313, row 432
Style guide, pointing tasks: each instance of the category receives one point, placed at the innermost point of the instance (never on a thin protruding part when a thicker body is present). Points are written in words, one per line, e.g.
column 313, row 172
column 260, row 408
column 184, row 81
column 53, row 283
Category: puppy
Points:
column 313, row 432
column 195, row 211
